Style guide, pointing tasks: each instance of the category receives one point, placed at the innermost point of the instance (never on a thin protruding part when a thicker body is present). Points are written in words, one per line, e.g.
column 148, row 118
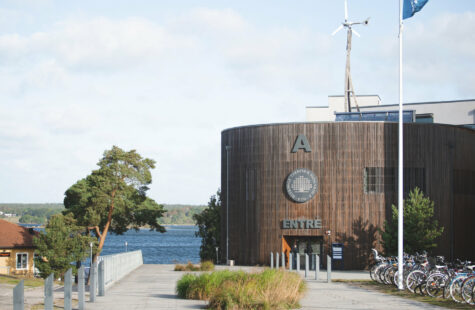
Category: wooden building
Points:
column 292, row 184
column 16, row 249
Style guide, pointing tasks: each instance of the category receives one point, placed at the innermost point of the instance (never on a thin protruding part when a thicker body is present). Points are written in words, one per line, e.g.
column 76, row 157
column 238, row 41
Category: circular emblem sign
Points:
column 301, row 185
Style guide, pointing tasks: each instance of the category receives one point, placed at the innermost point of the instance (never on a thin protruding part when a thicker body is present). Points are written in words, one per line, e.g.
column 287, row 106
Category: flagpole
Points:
column 400, row 162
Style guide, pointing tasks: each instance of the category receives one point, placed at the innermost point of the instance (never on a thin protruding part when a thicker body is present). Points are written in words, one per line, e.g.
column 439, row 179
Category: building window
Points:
column 425, row 118
column 22, row 261
column 384, row 179
column 378, row 179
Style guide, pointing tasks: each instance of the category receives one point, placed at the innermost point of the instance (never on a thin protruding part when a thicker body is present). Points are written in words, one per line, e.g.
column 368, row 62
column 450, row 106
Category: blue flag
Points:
column 411, row 7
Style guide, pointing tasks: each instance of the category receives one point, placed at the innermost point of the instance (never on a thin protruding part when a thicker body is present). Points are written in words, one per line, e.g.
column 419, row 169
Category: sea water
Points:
column 177, row 245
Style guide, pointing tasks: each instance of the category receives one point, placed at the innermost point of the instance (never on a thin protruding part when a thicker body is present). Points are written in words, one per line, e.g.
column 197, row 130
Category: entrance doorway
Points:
column 302, row 245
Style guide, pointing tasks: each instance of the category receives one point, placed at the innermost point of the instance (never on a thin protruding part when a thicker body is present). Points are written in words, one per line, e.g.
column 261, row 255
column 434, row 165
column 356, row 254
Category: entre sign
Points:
column 301, row 185
column 302, row 224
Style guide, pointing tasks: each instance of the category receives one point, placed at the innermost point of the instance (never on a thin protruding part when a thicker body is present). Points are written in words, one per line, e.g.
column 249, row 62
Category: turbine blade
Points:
column 346, row 10
column 354, row 31
column 337, row 29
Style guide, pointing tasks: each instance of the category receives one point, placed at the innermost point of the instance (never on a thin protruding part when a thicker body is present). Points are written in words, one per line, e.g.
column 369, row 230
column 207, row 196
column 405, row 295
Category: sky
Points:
column 166, row 77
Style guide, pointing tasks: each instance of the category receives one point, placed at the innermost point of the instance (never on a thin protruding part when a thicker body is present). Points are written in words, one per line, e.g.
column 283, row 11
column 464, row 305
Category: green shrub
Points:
column 204, row 266
column 183, row 285
column 207, row 266
column 270, row 289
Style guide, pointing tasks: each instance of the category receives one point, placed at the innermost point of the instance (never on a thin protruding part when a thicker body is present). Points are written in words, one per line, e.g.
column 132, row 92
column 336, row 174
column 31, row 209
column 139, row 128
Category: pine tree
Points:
column 421, row 230
column 113, row 197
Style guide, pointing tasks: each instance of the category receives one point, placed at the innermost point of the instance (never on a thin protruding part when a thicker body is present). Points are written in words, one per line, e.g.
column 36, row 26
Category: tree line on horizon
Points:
column 40, row 213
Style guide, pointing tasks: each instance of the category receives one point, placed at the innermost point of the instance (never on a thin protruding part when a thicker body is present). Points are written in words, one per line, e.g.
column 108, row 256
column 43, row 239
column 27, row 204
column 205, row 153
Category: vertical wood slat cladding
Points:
column 340, row 152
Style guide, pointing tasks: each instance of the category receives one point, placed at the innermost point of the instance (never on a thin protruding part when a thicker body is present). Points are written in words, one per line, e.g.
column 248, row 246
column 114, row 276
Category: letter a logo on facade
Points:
column 301, row 143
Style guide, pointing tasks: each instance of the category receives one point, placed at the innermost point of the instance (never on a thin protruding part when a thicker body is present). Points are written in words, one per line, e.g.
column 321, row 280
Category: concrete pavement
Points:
column 153, row 287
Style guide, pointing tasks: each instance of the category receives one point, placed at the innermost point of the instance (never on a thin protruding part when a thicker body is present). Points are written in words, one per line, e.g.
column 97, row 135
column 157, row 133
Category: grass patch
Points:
column 392, row 290
column 28, row 282
column 269, row 289
column 204, row 266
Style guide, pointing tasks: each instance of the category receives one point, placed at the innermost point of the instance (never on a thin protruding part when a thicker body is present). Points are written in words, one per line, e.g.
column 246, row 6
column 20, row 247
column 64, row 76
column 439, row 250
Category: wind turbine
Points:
column 348, row 82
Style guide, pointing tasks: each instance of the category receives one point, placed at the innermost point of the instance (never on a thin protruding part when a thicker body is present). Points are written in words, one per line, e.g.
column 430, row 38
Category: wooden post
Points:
column 68, row 289
column 49, row 292
column 290, row 261
column 18, row 296
column 283, row 260
column 271, row 260
column 298, row 262
column 276, row 260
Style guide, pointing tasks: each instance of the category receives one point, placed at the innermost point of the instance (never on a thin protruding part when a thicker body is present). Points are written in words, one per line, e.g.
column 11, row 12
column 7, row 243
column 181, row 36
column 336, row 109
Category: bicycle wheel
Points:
column 414, row 279
column 436, row 284
column 395, row 279
column 389, row 274
column 467, row 290
column 377, row 273
column 381, row 273
column 456, row 289
column 372, row 272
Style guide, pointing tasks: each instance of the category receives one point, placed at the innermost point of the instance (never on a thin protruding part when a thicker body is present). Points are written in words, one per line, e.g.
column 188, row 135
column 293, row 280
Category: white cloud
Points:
column 168, row 87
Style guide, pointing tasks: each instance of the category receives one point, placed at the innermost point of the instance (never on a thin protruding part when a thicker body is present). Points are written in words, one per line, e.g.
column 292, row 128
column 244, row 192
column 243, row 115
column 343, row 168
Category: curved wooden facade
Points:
column 351, row 202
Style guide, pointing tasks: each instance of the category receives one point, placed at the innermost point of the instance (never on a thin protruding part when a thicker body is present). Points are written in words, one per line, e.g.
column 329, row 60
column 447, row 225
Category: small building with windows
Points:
column 16, row 249
column 306, row 187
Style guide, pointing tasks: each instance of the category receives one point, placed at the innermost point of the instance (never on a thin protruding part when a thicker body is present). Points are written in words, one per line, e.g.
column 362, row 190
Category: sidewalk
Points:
column 153, row 287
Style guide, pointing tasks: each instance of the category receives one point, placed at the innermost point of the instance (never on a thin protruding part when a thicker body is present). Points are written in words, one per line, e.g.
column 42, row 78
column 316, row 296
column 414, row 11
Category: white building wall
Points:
column 460, row 112
column 447, row 112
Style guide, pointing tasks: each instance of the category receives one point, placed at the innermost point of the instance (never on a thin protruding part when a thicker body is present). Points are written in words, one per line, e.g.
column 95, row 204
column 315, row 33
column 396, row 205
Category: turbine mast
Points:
column 349, row 91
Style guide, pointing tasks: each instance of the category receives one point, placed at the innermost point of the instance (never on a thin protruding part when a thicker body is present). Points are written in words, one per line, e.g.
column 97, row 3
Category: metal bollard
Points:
column 283, row 260
column 49, row 292
column 298, row 262
column 68, row 289
column 81, row 288
column 92, row 283
column 317, row 266
column 102, row 288
column 329, row 269
column 290, row 261
column 18, row 296
column 306, row 265
column 276, row 260
column 271, row 260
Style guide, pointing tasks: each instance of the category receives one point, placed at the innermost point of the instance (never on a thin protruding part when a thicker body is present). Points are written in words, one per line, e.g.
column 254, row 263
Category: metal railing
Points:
column 117, row 266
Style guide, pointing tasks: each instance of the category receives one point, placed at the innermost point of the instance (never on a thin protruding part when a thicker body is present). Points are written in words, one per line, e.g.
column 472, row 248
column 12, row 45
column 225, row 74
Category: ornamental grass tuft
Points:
column 204, row 266
column 270, row 289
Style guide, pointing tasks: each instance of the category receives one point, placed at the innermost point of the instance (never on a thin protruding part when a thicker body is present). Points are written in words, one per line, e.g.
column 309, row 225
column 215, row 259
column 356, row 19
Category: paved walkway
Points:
column 153, row 287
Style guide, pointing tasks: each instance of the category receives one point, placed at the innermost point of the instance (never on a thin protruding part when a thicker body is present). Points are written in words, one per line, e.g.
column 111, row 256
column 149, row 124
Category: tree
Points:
column 61, row 243
column 208, row 222
column 421, row 230
column 113, row 197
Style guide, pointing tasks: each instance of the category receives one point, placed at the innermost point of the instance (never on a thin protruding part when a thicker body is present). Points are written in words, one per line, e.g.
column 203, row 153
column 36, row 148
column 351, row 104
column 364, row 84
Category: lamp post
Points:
column 125, row 246
column 90, row 245
column 228, row 149
column 217, row 255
